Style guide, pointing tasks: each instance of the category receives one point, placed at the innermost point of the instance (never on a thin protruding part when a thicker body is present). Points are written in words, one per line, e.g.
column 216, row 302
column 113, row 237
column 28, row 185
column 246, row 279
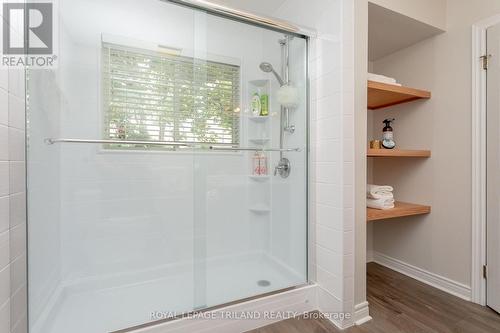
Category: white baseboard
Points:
column 334, row 309
column 437, row 281
column 369, row 256
column 361, row 314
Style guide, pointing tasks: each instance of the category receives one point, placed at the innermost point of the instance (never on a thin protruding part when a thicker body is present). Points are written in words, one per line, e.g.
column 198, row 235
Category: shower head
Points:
column 268, row 68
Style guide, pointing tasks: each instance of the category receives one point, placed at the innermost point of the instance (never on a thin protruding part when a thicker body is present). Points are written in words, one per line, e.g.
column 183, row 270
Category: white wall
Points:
column 13, row 279
column 331, row 188
column 360, row 57
column 369, row 176
column 440, row 242
column 432, row 12
column 12, row 203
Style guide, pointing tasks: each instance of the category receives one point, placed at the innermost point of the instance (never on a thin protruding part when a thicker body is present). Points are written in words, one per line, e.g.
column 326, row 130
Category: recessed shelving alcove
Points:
column 383, row 95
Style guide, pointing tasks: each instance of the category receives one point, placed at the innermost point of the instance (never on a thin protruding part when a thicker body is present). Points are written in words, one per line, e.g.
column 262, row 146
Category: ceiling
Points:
column 389, row 31
column 263, row 7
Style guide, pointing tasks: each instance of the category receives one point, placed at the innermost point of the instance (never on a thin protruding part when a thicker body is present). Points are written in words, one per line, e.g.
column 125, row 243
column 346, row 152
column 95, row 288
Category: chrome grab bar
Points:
column 51, row 141
column 254, row 149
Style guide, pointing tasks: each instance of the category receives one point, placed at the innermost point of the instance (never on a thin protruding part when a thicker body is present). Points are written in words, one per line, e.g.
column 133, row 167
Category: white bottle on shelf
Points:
column 256, row 105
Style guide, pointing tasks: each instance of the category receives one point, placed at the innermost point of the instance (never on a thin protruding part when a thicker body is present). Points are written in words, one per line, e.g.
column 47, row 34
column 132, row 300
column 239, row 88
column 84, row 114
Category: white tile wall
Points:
column 5, row 284
column 4, row 248
column 332, row 123
column 16, row 110
column 4, row 143
column 17, row 177
column 5, row 317
column 4, row 178
column 4, row 100
column 16, row 144
column 13, row 297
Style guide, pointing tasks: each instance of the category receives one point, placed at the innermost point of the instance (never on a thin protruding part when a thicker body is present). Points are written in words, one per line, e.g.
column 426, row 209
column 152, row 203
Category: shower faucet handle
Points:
column 276, row 168
column 283, row 168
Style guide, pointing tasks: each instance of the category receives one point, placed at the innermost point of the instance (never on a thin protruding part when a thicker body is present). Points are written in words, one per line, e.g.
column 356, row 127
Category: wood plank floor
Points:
column 399, row 304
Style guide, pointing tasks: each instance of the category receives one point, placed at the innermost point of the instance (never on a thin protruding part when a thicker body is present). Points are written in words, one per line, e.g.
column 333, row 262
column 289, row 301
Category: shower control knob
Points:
column 283, row 168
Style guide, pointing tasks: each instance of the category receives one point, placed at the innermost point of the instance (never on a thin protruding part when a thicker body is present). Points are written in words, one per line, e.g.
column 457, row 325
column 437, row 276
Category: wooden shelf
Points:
column 401, row 209
column 382, row 95
column 398, row 153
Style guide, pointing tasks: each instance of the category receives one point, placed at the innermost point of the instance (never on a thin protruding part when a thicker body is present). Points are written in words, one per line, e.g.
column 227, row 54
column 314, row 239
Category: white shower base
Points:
column 99, row 310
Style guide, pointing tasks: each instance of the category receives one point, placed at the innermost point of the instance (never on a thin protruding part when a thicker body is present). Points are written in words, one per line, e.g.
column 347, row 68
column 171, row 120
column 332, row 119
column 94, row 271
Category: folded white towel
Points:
column 380, row 203
column 382, row 79
column 379, row 191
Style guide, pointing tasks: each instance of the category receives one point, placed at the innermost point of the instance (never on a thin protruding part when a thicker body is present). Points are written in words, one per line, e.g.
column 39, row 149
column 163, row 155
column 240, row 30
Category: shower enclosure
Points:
column 166, row 163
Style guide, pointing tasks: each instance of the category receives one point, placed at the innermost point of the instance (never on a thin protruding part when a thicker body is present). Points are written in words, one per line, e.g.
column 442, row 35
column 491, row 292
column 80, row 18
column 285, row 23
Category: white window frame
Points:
column 151, row 46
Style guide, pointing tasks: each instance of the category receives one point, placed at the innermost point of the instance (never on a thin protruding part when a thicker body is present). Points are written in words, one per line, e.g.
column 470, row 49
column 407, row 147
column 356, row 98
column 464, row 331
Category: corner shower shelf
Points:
column 401, row 209
column 262, row 141
column 398, row 153
column 260, row 209
column 382, row 95
column 258, row 118
column 257, row 178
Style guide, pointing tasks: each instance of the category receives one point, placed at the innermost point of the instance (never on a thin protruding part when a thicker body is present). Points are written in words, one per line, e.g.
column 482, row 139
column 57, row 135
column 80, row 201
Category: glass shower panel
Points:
column 111, row 225
column 250, row 223
column 167, row 166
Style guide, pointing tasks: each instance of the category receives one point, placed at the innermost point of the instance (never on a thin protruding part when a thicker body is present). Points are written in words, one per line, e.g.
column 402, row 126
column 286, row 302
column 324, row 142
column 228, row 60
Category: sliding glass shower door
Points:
column 249, row 220
column 167, row 166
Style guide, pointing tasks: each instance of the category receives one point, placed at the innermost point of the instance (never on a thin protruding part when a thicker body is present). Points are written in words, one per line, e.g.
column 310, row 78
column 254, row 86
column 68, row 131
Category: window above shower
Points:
column 167, row 97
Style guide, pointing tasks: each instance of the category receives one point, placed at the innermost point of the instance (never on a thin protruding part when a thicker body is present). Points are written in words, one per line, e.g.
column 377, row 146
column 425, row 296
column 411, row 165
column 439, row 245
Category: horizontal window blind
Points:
column 160, row 97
